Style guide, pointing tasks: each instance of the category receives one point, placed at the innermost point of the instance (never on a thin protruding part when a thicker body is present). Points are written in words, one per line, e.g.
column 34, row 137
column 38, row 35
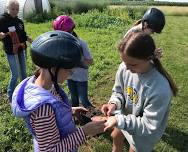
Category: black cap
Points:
column 57, row 49
column 155, row 19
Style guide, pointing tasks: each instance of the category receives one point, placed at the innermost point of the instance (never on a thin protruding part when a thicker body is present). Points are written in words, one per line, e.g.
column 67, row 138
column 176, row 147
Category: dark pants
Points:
column 79, row 91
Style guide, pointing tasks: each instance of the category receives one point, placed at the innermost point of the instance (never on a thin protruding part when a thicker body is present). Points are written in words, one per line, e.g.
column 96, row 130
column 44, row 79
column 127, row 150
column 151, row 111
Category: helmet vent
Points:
column 52, row 35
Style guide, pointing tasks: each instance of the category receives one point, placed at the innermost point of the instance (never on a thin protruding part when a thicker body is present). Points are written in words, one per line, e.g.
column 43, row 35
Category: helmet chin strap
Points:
column 54, row 79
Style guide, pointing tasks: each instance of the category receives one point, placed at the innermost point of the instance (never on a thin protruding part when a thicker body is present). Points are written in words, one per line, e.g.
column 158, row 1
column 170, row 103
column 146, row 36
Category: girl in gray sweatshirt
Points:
column 142, row 93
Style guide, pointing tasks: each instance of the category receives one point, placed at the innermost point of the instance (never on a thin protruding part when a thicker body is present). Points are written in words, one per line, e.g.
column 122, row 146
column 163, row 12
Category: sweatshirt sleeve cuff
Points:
column 120, row 121
column 117, row 103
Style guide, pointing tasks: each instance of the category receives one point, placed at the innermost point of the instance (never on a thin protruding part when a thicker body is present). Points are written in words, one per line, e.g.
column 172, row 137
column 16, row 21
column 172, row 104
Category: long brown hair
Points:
column 142, row 46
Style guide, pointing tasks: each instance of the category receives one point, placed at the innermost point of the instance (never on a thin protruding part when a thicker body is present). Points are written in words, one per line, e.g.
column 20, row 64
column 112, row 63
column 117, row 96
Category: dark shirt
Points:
column 7, row 21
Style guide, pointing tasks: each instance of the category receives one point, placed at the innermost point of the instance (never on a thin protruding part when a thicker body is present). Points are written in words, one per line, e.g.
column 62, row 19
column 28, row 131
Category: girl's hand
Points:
column 108, row 109
column 77, row 110
column 88, row 61
column 110, row 123
column 158, row 53
column 29, row 40
column 2, row 35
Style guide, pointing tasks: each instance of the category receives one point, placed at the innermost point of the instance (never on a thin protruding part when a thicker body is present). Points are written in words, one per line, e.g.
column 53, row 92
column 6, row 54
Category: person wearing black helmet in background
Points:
column 153, row 21
column 42, row 103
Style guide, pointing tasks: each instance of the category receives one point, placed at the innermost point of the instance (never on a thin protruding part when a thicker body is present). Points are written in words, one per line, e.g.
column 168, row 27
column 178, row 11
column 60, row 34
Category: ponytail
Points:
column 74, row 34
column 138, row 22
column 37, row 72
column 162, row 70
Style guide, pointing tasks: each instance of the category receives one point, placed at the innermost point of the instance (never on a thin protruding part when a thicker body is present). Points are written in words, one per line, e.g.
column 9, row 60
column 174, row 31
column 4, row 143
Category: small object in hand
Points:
column 85, row 117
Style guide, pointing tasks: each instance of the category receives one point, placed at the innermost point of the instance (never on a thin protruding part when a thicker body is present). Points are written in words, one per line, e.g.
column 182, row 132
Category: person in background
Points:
column 43, row 104
column 78, row 81
column 153, row 21
column 142, row 93
column 14, row 37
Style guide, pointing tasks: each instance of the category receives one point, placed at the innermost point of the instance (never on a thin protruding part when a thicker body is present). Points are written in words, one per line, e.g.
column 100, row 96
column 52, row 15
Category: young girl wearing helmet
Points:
column 143, row 92
column 43, row 104
column 78, row 81
column 152, row 21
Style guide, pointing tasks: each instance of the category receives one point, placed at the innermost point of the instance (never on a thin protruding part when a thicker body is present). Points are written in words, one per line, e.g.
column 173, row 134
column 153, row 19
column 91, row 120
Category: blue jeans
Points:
column 79, row 91
column 17, row 64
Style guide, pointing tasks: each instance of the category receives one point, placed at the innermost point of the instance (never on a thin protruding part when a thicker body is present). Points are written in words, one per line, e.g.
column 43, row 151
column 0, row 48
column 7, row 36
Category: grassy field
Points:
column 102, row 43
column 174, row 10
column 168, row 10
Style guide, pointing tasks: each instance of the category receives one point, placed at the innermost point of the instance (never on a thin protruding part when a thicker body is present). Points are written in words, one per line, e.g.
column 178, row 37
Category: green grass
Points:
column 102, row 43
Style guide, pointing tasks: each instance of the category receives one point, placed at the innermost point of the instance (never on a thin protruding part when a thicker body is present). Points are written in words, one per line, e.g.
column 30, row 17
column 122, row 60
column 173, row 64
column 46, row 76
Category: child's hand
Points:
column 110, row 123
column 2, row 35
column 77, row 110
column 158, row 53
column 29, row 40
column 108, row 109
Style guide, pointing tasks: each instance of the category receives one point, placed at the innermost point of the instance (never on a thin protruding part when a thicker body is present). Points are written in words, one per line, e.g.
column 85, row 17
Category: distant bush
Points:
column 34, row 17
column 96, row 19
column 136, row 12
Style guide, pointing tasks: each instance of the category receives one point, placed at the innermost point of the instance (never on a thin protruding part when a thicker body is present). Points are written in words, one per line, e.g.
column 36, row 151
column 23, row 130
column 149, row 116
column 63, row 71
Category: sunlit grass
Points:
column 168, row 10
column 174, row 10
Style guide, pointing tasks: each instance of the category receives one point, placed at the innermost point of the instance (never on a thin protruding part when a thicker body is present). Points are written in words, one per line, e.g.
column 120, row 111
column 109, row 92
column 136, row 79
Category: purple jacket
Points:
column 27, row 97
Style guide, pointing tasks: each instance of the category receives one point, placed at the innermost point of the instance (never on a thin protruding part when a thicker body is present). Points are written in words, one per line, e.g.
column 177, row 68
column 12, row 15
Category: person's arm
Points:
column 153, row 116
column 24, row 35
column 117, row 96
column 47, row 134
column 2, row 34
column 88, row 60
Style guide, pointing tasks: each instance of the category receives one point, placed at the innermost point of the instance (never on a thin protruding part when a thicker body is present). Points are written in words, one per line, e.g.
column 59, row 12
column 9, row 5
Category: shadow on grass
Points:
column 176, row 138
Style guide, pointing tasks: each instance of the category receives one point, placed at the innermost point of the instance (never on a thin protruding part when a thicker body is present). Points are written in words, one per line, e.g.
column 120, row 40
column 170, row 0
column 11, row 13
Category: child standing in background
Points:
column 78, row 81
column 153, row 21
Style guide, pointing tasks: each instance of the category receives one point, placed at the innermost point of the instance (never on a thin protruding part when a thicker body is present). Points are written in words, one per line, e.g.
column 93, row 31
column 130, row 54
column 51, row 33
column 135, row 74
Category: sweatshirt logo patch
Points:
column 132, row 94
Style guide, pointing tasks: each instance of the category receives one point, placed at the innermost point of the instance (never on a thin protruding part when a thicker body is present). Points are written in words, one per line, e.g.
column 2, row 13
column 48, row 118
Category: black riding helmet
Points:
column 155, row 19
column 57, row 49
